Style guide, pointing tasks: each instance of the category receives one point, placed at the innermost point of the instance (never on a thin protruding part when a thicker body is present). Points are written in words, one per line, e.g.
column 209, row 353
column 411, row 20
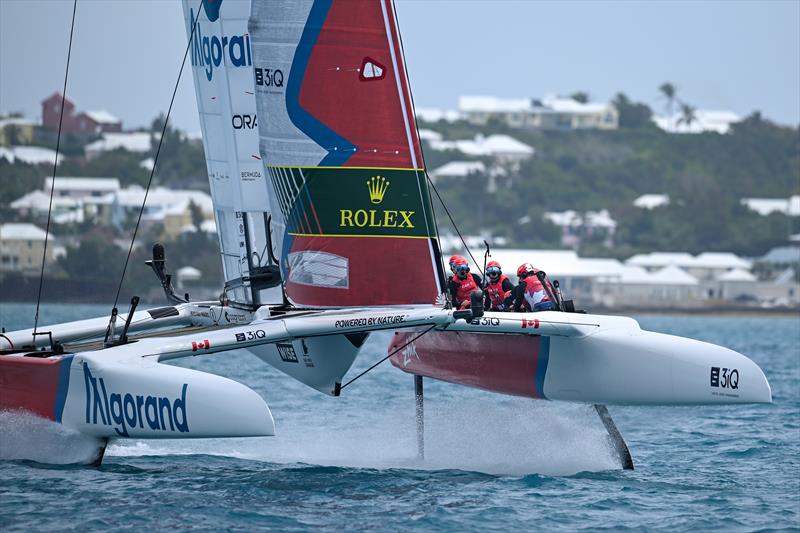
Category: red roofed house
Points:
column 85, row 122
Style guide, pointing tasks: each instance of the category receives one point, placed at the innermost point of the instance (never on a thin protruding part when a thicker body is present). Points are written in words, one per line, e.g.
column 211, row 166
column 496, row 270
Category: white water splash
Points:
column 25, row 436
column 509, row 437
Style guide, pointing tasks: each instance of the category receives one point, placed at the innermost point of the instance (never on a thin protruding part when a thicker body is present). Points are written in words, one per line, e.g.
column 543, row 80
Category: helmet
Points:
column 524, row 269
column 460, row 264
column 453, row 259
column 493, row 268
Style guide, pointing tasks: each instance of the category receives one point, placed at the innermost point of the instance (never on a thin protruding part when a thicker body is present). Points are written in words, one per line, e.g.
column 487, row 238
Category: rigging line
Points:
column 55, row 167
column 442, row 270
column 387, row 357
column 158, row 151
column 410, row 92
column 455, row 227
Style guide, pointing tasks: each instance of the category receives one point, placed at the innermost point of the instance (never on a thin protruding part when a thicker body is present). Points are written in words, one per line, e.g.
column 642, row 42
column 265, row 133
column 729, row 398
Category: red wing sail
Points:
column 339, row 142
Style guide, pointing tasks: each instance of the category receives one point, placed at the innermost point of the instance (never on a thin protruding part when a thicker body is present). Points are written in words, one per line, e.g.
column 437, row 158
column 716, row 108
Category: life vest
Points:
column 496, row 293
column 465, row 288
column 534, row 291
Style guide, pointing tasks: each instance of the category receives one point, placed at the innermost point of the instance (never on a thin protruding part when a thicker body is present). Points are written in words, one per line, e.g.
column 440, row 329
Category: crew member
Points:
column 530, row 294
column 462, row 284
column 452, row 262
column 498, row 288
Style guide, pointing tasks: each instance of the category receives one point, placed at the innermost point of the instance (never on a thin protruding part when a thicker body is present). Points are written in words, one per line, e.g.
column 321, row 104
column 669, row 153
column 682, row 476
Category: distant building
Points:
column 766, row 206
column 430, row 114
column 549, row 113
column 577, row 226
column 32, row 155
column 703, row 121
column 458, row 169
column 22, row 246
column 707, row 266
column 16, row 130
column 138, row 141
column 83, row 122
column 651, row 201
column 502, row 148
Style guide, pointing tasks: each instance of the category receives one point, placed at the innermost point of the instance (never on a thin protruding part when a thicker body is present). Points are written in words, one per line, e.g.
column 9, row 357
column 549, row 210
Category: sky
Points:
column 733, row 55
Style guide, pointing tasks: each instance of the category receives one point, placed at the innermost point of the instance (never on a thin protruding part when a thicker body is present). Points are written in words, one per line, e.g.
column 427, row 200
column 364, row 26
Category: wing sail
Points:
column 341, row 150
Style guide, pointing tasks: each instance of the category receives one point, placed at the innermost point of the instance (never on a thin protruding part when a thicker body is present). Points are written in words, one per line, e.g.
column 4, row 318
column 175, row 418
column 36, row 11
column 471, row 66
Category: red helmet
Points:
column 525, row 268
column 493, row 269
column 453, row 259
column 460, row 264
column 491, row 264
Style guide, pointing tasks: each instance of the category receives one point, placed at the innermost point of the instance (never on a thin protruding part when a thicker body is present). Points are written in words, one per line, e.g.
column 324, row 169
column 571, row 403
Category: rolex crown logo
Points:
column 377, row 186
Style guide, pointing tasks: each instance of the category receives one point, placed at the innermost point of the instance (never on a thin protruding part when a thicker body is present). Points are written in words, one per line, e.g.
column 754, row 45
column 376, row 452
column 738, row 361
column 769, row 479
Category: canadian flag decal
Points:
column 371, row 70
column 202, row 345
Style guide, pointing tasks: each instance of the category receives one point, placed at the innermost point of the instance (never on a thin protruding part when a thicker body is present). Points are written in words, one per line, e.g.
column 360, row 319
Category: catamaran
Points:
column 319, row 188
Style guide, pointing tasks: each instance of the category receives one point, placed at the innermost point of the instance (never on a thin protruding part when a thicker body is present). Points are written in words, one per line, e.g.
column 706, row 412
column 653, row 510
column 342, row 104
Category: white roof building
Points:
column 102, row 117
column 22, row 232
column 82, row 186
column 651, row 201
column 766, row 206
column 429, row 135
column 459, row 169
column 133, row 142
column 430, row 114
column 573, row 219
column 551, row 112
column 737, row 274
column 502, row 147
column 161, row 200
column 33, row 155
column 705, row 120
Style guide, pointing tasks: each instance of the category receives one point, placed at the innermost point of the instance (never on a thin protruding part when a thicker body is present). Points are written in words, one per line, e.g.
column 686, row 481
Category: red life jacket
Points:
column 534, row 291
column 465, row 288
column 496, row 293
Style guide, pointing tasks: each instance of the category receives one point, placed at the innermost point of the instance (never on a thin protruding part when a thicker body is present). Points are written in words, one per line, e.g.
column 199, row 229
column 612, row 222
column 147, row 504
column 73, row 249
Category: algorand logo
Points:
column 126, row 410
column 214, row 51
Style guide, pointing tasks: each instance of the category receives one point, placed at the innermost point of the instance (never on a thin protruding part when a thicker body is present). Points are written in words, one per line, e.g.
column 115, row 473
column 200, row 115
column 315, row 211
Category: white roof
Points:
column 189, row 272
column 83, row 184
column 208, row 226
column 705, row 120
column 102, row 117
column 17, row 121
column 492, row 104
column 40, row 201
column 766, row 206
column 672, row 275
column 568, row 105
column 34, row 155
column 651, row 201
column 660, row 259
column 737, row 274
column 592, row 219
column 782, row 255
column 22, row 232
column 161, row 198
column 721, row 260
column 429, row 135
column 147, row 164
column 486, row 146
column 430, row 114
column 138, row 141
column 459, row 169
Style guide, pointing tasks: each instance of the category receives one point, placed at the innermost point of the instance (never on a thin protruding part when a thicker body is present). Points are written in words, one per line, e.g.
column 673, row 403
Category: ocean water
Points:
column 492, row 463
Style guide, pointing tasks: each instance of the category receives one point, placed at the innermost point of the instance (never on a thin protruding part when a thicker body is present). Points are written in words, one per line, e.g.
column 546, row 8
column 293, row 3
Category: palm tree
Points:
column 669, row 91
column 688, row 114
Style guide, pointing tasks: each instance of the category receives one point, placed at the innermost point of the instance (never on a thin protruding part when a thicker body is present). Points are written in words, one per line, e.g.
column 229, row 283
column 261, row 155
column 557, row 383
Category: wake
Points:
column 27, row 437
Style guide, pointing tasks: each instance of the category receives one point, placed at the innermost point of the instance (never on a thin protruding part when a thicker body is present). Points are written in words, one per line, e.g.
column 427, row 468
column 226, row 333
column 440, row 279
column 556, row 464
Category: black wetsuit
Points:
column 452, row 288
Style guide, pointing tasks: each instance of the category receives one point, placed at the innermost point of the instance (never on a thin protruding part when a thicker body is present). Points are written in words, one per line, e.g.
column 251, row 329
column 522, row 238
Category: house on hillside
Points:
column 651, row 201
column 16, row 130
column 549, row 113
column 702, row 121
column 766, row 206
column 575, row 226
column 74, row 121
column 137, row 141
column 22, row 247
column 502, row 148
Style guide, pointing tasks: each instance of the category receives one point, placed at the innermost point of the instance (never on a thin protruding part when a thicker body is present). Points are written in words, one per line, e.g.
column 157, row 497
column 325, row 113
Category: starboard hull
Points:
column 612, row 362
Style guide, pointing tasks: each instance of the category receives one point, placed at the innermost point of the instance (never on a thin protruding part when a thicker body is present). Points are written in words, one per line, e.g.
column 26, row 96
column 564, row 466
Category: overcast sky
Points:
column 736, row 55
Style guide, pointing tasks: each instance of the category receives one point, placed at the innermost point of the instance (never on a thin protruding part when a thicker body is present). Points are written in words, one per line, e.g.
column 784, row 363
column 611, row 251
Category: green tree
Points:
column 580, row 96
column 688, row 114
column 632, row 114
column 670, row 94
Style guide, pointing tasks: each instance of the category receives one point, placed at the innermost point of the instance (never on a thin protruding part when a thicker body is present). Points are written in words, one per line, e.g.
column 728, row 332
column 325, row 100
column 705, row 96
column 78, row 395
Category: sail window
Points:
column 319, row 269
column 371, row 70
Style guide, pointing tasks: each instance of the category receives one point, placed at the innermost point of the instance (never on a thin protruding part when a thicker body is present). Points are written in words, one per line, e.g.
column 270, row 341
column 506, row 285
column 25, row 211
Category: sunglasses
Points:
column 493, row 271
column 461, row 268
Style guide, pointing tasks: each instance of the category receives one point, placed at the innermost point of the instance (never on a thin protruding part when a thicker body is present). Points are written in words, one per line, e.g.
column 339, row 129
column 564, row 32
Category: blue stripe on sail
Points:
column 305, row 122
column 63, row 387
column 541, row 365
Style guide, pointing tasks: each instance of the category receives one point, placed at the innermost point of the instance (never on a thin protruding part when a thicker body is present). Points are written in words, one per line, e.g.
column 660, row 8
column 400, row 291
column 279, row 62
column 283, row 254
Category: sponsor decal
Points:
column 724, row 378
column 251, row 335
column 286, row 352
column 213, row 51
column 204, row 314
column 269, row 77
column 247, row 122
column 130, row 410
column 306, row 357
column 249, row 175
column 202, row 345
column 235, row 318
column 376, row 218
column 491, row 321
column 530, row 323
column 370, row 321
column 409, row 352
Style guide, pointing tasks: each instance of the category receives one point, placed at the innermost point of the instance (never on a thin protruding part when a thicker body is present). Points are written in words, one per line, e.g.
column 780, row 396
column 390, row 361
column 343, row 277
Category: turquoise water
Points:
column 493, row 463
